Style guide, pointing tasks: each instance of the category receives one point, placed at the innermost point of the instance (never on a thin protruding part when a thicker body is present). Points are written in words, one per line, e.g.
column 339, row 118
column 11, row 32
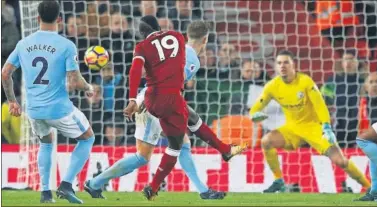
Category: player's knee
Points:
column 147, row 157
column 175, row 142
column 46, row 139
column 194, row 121
column 341, row 162
column 266, row 142
column 86, row 135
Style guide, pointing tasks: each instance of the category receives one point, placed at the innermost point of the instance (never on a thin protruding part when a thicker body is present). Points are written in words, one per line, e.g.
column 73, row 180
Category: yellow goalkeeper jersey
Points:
column 301, row 100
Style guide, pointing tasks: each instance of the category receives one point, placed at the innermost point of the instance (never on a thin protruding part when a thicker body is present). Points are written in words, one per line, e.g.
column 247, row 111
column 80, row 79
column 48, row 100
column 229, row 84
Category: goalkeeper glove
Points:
column 258, row 116
column 328, row 133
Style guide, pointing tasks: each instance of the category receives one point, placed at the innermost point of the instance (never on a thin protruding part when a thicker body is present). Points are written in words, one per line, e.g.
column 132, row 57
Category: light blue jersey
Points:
column 192, row 63
column 45, row 57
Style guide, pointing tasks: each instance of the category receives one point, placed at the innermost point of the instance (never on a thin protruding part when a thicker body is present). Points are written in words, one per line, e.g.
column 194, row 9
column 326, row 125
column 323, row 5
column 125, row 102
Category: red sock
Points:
column 166, row 166
column 207, row 135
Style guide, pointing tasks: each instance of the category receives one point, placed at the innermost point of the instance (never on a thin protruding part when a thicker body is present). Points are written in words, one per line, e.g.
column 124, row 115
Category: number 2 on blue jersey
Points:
column 39, row 79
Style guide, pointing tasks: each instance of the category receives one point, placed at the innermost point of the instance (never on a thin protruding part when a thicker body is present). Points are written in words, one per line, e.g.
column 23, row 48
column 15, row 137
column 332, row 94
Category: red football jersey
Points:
column 164, row 57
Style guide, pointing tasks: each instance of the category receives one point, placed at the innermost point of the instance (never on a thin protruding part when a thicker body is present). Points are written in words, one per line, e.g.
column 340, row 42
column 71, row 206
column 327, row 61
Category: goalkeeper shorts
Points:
column 297, row 134
column 72, row 126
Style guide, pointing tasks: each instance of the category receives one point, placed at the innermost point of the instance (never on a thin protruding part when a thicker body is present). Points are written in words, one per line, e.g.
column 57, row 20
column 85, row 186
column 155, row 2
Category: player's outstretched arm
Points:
column 76, row 81
column 6, row 77
column 262, row 101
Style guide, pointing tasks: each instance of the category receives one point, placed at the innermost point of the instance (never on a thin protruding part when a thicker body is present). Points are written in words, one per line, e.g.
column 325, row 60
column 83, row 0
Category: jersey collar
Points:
column 151, row 34
column 48, row 31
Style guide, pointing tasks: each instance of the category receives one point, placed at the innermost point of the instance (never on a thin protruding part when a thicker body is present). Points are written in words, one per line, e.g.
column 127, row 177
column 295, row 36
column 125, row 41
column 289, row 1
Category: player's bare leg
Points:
column 120, row 168
column 85, row 141
column 336, row 156
column 200, row 129
column 270, row 142
column 368, row 143
column 44, row 167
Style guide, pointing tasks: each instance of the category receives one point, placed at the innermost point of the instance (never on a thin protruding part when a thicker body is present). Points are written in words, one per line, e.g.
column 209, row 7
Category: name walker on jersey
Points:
column 47, row 48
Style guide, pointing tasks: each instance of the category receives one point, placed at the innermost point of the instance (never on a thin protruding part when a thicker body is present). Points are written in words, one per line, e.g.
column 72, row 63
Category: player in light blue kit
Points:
column 148, row 130
column 46, row 60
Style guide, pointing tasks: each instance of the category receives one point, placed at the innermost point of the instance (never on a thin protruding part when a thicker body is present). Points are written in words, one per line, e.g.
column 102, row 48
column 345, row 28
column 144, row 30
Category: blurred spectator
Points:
column 165, row 24
column 120, row 44
column 97, row 20
column 368, row 104
column 10, row 125
column 367, row 11
column 342, row 91
column 77, row 33
column 148, row 8
column 70, row 8
column 15, row 5
column 114, row 132
column 92, row 108
column 113, row 91
column 251, row 74
column 334, row 18
column 182, row 15
column 9, row 32
column 9, row 38
column 228, row 63
column 208, row 62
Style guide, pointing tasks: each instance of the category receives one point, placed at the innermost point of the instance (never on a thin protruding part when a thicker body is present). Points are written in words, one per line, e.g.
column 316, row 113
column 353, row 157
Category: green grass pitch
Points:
column 30, row 198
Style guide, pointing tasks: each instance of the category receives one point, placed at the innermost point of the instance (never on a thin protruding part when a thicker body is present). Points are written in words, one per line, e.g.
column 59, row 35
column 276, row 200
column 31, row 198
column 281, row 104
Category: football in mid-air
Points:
column 96, row 57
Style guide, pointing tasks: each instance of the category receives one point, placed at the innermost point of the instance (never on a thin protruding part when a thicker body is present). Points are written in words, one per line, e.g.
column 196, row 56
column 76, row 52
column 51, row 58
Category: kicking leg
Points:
column 200, row 129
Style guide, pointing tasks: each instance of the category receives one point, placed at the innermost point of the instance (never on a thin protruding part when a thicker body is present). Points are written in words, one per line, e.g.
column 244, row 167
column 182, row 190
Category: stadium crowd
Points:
column 222, row 87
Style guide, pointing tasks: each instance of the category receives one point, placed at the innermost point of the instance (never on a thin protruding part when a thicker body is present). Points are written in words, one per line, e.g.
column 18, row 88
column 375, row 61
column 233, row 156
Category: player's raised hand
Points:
column 328, row 133
column 14, row 108
column 258, row 116
column 90, row 91
column 130, row 110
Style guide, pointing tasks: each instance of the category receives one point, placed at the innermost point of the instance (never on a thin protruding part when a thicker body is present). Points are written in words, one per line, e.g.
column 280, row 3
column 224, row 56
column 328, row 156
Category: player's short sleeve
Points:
column 140, row 96
column 192, row 65
column 72, row 59
column 138, row 52
column 14, row 58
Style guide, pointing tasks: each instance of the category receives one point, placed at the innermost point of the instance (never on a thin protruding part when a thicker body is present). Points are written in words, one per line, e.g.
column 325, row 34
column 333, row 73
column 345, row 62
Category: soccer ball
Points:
column 96, row 57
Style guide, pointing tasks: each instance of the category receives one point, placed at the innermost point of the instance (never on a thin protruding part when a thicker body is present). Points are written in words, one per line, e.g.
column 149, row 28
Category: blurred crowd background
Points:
column 338, row 49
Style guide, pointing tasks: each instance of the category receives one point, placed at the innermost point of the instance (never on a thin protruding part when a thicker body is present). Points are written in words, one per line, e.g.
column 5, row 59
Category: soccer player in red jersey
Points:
column 163, row 55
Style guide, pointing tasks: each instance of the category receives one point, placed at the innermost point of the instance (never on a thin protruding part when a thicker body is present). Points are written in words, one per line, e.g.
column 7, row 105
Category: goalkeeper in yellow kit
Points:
column 307, row 121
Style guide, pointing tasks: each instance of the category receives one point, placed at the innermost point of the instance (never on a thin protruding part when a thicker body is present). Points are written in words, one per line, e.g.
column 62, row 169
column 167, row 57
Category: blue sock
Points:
column 370, row 149
column 373, row 177
column 44, row 164
column 185, row 158
column 120, row 168
column 79, row 157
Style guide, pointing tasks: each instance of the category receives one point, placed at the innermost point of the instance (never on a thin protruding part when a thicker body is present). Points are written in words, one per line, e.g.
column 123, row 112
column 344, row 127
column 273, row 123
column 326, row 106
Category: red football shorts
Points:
column 170, row 109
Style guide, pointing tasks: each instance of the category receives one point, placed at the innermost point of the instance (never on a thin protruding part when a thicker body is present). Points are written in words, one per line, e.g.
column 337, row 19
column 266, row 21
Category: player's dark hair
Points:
column 352, row 52
column 49, row 11
column 197, row 30
column 287, row 53
column 148, row 24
